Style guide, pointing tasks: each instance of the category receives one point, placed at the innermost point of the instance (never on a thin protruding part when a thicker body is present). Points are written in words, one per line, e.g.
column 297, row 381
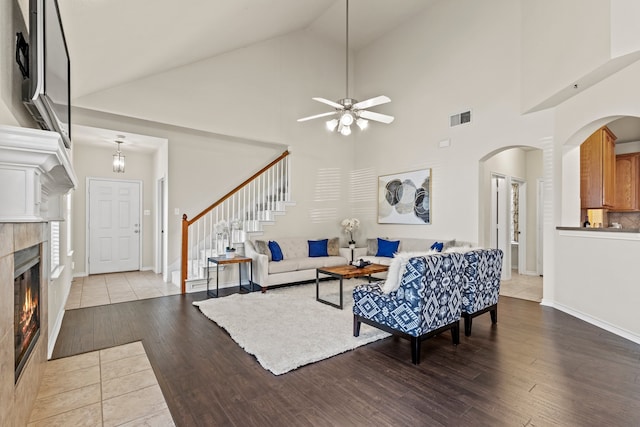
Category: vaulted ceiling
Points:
column 118, row 41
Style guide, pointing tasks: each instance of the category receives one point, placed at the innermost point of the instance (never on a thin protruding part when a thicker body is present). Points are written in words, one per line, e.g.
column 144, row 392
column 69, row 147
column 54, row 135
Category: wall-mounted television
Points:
column 46, row 89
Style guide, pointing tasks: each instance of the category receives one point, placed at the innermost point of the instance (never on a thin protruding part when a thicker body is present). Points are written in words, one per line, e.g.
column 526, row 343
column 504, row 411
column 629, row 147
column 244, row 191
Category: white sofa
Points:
column 297, row 265
column 407, row 244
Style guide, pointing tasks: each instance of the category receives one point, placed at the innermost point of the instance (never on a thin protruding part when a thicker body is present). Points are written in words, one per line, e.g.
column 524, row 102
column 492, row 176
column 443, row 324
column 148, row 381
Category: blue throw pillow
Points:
column 276, row 252
column 318, row 248
column 387, row 248
column 438, row 246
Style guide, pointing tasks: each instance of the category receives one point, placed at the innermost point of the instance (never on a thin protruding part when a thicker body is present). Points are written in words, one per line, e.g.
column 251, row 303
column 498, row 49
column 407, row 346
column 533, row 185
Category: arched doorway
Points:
column 510, row 207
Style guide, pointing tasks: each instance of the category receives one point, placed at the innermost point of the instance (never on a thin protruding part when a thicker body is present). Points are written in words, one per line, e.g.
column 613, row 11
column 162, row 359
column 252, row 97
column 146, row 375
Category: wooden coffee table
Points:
column 346, row 272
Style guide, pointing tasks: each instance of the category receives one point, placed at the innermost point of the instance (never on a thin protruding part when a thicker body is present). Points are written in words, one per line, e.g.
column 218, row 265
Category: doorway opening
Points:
column 511, row 211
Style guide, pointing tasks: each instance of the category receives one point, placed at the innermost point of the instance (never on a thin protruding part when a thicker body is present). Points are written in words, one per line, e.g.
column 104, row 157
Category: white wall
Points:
column 561, row 42
column 59, row 286
column 256, row 92
column 625, row 31
column 242, row 109
column 534, row 173
column 597, row 280
column 579, row 289
column 12, row 112
column 161, row 172
column 456, row 55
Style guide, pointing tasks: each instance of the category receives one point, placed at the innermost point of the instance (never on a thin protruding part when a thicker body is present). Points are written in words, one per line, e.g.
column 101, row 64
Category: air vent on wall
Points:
column 460, row 118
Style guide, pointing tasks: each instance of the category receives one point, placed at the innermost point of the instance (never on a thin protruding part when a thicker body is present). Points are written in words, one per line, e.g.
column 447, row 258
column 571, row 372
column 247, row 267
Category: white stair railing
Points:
column 227, row 222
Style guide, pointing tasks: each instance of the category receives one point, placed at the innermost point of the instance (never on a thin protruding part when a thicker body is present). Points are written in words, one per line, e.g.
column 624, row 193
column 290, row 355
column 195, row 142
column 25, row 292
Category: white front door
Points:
column 114, row 225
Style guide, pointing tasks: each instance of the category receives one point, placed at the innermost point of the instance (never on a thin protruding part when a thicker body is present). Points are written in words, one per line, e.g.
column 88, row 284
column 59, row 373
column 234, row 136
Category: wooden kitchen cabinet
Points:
column 598, row 170
column 627, row 185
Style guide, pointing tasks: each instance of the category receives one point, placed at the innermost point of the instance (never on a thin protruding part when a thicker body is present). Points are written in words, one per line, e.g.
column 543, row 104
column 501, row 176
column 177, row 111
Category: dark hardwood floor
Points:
column 536, row 367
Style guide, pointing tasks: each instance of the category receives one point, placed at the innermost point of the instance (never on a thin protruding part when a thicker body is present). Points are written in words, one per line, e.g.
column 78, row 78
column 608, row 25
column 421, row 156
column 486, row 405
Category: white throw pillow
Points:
column 461, row 249
column 397, row 268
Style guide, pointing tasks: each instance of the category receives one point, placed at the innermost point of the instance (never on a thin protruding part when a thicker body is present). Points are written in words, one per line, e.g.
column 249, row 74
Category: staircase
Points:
column 230, row 221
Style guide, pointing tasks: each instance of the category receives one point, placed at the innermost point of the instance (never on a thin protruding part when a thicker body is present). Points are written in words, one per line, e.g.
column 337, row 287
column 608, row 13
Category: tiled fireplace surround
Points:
column 17, row 399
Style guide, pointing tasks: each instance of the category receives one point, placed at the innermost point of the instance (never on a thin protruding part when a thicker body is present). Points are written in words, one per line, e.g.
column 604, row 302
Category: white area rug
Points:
column 287, row 328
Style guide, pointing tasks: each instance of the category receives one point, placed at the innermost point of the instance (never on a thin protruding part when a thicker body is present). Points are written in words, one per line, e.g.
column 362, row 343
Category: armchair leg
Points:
column 356, row 326
column 455, row 333
column 415, row 350
column 467, row 324
column 494, row 315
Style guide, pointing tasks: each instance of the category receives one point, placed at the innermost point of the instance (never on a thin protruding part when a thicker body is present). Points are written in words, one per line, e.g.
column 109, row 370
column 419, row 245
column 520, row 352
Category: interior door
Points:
column 500, row 221
column 114, row 225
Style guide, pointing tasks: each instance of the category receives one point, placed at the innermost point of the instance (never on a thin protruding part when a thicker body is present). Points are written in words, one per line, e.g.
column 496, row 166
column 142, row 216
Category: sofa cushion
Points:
column 263, row 248
column 333, row 247
column 276, row 252
column 372, row 247
column 284, row 266
column 318, row 248
column 387, row 248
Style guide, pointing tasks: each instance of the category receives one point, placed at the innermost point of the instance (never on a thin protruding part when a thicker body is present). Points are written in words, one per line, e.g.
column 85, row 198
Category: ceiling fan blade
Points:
column 317, row 116
column 376, row 116
column 331, row 103
column 378, row 100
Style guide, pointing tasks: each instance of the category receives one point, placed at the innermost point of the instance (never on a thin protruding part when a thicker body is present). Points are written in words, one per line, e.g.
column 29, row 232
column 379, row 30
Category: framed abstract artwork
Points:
column 405, row 198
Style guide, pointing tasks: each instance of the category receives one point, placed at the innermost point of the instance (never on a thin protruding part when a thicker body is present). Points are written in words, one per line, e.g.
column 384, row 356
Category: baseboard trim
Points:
column 53, row 335
column 594, row 321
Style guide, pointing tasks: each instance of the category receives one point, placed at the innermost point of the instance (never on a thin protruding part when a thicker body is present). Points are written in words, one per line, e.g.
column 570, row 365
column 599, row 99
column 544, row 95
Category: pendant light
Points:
column 118, row 158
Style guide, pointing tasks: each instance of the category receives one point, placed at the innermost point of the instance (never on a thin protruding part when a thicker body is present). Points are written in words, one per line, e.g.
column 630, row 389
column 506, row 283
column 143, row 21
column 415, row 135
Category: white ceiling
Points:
column 112, row 42
column 105, row 138
column 117, row 41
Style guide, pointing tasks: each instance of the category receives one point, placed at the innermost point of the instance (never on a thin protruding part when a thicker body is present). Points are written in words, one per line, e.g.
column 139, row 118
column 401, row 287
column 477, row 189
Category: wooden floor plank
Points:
column 537, row 366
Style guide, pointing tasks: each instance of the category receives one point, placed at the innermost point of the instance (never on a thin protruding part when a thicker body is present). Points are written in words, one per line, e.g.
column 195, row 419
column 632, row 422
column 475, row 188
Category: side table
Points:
column 222, row 260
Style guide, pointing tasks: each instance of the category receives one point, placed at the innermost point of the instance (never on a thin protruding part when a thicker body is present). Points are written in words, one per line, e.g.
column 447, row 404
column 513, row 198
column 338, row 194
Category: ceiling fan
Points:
column 349, row 111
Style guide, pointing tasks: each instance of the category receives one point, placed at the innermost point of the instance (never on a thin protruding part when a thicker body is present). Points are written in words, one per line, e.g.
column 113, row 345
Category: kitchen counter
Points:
column 608, row 229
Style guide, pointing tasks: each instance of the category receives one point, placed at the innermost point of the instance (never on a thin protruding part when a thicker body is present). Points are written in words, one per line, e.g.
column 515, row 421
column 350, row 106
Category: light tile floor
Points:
column 112, row 387
column 523, row 287
column 101, row 289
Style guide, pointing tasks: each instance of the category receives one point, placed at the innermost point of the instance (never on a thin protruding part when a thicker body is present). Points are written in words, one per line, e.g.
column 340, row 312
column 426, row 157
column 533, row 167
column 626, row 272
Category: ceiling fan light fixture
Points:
column 347, row 109
column 331, row 124
column 347, row 119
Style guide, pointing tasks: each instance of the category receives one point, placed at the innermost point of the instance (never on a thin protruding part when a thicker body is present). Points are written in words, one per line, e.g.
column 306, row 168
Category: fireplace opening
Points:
column 26, row 310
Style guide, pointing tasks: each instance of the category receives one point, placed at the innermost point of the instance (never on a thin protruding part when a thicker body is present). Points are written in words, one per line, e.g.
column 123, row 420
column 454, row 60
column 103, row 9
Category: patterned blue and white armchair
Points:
column 483, row 268
column 427, row 302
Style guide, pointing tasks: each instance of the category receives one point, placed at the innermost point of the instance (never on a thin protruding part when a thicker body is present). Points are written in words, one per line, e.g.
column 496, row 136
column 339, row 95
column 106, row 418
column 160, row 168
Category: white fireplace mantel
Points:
column 35, row 171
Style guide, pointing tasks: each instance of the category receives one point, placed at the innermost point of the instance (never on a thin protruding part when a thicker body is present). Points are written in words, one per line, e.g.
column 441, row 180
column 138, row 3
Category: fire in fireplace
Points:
column 26, row 310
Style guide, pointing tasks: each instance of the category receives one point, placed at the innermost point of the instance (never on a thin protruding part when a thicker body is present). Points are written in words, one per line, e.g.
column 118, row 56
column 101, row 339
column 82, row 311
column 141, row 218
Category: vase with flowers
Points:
column 349, row 225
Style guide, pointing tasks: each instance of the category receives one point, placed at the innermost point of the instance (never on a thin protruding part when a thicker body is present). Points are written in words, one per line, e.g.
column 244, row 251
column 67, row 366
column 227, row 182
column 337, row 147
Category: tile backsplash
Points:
column 626, row 219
